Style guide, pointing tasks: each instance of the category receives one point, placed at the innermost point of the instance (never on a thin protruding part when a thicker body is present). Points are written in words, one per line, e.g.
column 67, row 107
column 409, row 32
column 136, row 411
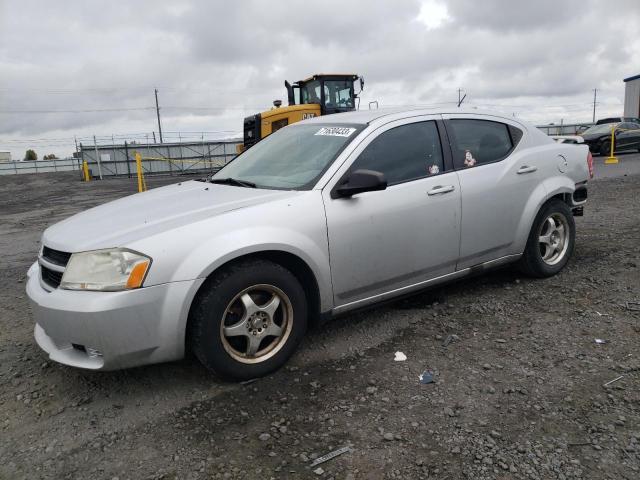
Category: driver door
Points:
column 393, row 239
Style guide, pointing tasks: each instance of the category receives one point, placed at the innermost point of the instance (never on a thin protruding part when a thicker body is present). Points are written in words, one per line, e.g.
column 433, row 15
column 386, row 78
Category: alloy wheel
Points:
column 553, row 238
column 256, row 323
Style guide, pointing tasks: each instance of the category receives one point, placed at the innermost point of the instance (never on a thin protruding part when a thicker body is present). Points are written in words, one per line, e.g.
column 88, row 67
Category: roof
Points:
column 367, row 116
column 316, row 75
column 635, row 77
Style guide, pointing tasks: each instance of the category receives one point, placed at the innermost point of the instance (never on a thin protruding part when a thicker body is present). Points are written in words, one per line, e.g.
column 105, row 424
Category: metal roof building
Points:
column 632, row 96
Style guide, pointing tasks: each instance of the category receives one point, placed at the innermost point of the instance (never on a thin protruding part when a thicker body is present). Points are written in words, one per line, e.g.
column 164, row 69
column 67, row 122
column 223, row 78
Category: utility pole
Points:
column 595, row 96
column 158, row 114
column 461, row 99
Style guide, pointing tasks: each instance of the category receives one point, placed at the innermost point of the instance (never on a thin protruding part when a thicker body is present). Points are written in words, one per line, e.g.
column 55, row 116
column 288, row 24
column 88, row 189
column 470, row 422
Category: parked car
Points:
column 572, row 139
column 602, row 121
column 322, row 217
column 626, row 134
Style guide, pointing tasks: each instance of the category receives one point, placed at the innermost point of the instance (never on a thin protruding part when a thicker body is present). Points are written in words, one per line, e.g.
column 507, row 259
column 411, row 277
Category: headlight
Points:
column 105, row 270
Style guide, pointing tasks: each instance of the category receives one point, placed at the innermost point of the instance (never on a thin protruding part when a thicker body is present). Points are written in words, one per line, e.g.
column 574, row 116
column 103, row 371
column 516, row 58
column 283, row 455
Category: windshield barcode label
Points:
column 336, row 131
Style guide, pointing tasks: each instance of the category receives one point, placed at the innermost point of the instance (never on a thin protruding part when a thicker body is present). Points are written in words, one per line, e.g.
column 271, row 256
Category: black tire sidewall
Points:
column 605, row 148
column 532, row 259
column 208, row 313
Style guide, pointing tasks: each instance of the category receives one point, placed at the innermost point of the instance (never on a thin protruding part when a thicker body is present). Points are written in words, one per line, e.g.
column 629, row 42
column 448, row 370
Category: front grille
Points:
column 55, row 256
column 51, row 277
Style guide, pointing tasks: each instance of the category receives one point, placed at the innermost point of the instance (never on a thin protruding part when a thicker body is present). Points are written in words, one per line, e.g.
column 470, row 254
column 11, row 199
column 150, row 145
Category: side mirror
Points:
column 360, row 181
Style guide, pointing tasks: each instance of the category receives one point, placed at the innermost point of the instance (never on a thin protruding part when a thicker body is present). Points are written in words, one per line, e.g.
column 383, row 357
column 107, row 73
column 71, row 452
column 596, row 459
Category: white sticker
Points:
column 336, row 131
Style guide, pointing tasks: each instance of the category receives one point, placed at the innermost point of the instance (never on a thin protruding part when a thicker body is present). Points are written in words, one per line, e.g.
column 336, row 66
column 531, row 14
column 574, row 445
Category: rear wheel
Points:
column 551, row 241
column 248, row 320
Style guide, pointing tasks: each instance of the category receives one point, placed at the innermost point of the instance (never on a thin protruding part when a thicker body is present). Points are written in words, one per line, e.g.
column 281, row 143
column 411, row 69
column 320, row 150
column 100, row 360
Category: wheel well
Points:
column 564, row 197
column 291, row 262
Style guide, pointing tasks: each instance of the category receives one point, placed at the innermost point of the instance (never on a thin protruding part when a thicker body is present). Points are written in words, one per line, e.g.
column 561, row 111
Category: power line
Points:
column 92, row 110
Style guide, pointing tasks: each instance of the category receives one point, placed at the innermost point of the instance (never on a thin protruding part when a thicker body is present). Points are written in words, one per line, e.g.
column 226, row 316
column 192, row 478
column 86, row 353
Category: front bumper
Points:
column 111, row 330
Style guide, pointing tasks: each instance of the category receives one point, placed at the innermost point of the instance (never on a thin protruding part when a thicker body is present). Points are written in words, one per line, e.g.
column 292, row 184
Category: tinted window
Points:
column 404, row 153
column 516, row 135
column 475, row 142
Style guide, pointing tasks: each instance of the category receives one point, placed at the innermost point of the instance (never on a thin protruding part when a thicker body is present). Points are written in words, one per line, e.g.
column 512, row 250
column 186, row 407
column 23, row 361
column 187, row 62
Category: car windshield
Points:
column 599, row 129
column 293, row 158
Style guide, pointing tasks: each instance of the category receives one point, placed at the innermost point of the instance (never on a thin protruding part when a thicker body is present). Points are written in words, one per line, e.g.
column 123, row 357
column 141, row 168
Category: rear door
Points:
column 390, row 240
column 496, row 182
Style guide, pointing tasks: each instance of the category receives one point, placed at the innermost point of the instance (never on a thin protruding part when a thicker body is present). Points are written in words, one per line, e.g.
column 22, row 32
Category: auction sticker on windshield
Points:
column 336, row 131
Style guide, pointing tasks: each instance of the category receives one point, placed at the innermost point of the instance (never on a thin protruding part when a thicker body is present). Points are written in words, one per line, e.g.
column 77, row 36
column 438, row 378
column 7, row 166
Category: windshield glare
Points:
column 604, row 128
column 293, row 158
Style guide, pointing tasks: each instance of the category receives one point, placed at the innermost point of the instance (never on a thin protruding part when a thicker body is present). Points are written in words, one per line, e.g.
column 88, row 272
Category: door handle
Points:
column 526, row 169
column 440, row 189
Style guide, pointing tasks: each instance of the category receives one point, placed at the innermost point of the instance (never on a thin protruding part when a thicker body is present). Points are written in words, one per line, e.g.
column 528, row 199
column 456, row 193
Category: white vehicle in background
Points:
column 571, row 139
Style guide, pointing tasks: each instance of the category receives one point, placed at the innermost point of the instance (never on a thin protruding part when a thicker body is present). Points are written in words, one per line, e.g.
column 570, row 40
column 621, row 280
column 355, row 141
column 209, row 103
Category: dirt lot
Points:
column 518, row 389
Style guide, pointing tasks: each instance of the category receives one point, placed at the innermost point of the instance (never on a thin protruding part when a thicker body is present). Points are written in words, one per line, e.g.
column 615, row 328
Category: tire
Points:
column 225, row 325
column 605, row 148
column 546, row 258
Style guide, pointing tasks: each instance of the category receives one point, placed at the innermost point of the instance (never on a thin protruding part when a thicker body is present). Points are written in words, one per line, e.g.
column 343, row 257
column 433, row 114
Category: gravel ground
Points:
column 518, row 389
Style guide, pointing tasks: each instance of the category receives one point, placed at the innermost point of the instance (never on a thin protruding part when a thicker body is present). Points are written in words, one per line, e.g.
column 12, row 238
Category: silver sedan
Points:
column 322, row 217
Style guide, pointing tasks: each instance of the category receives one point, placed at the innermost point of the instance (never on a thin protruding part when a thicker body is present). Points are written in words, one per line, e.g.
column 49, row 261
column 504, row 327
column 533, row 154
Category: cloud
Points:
column 215, row 62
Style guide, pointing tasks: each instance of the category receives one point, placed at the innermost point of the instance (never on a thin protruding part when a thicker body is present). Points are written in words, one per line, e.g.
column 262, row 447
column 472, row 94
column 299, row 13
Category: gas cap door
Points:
column 563, row 164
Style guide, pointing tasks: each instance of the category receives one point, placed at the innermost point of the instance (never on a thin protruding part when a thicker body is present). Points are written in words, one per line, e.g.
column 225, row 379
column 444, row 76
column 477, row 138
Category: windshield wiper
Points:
column 233, row 181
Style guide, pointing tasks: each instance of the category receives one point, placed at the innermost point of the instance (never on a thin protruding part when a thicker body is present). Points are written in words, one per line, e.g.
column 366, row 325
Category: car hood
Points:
column 132, row 218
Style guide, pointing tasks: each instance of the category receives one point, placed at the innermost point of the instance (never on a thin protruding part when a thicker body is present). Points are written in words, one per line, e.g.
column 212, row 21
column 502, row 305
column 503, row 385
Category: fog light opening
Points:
column 93, row 353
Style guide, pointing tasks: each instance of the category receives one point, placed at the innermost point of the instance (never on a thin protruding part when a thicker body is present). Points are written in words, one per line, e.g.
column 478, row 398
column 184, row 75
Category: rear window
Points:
column 477, row 142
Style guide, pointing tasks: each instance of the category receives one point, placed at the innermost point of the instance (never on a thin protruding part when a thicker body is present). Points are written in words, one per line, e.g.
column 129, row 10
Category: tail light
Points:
column 590, row 164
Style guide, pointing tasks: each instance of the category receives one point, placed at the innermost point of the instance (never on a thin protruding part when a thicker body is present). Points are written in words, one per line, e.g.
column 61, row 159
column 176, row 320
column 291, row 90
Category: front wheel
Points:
column 605, row 148
column 248, row 319
column 551, row 241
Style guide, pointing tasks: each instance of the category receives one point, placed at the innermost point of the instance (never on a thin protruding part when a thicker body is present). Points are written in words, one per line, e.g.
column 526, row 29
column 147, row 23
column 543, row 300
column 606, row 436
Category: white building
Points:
column 632, row 96
column 5, row 156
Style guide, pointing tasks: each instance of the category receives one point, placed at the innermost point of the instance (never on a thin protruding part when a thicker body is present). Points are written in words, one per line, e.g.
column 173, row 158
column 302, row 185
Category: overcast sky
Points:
column 83, row 68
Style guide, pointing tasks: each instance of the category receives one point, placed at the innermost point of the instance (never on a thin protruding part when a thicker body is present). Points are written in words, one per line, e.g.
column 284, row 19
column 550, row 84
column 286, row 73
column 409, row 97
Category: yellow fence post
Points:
column 612, row 158
column 85, row 171
column 142, row 186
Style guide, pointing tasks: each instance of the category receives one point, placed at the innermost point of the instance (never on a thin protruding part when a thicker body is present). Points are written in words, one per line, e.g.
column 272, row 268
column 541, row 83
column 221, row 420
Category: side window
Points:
column 516, row 135
column 476, row 142
column 404, row 153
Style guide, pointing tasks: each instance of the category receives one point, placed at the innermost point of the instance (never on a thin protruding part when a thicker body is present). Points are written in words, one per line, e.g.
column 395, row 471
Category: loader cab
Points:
column 317, row 95
column 334, row 93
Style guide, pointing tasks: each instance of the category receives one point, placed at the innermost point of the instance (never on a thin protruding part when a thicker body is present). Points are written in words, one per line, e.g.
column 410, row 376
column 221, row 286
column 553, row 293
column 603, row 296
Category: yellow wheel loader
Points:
column 317, row 95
